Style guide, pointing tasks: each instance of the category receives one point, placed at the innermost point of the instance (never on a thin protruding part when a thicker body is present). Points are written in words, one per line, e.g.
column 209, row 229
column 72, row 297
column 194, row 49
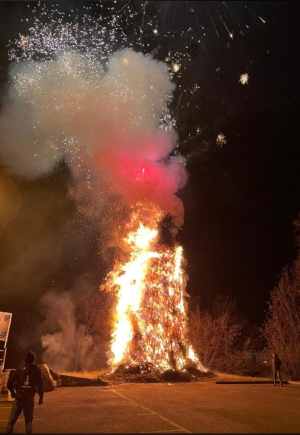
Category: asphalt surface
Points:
column 197, row 407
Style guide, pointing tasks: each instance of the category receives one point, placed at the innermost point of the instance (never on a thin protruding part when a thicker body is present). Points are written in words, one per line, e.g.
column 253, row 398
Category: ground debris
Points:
column 147, row 373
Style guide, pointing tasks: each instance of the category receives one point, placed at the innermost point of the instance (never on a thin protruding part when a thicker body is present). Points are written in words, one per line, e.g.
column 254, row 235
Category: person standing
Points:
column 23, row 383
column 276, row 364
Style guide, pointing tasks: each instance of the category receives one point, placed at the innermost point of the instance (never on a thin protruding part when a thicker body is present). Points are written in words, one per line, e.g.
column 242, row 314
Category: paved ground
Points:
column 200, row 407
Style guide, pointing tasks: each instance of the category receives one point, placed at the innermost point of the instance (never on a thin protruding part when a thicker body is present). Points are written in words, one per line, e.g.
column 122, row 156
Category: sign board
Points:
column 5, row 320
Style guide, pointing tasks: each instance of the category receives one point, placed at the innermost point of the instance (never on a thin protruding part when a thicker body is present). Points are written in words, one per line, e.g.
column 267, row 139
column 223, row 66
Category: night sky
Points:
column 241, row 198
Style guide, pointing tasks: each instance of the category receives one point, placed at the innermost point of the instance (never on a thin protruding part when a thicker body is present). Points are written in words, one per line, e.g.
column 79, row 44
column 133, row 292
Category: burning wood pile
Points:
column 150, row 338
column 147, row 373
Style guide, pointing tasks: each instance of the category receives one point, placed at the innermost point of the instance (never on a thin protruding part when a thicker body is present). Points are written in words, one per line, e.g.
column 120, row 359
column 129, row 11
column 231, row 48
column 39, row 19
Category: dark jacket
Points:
column 276, row 362
column 25, row 381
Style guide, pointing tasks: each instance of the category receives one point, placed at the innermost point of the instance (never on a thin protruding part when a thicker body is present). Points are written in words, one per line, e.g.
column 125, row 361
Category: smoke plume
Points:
column 106, row 126
column 106, row 123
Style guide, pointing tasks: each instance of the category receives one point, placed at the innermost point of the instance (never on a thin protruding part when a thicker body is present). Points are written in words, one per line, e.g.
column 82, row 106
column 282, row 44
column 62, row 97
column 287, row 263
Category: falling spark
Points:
column 229, row 33
column 23, row 41
column 176, row 67
column 124, row 7
column 221, row 139
column 212, row 22
column 244, row 79
column 261, row 19
column 143, row 19
column 229, row 10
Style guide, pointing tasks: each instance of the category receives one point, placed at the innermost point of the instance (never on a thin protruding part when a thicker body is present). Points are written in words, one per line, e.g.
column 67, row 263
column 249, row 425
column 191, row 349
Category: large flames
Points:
column 150, row 326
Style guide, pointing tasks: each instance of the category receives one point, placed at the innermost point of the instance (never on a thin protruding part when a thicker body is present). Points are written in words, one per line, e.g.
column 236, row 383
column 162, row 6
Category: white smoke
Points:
column 106, row 126
column 70, row 348
column 68, row 109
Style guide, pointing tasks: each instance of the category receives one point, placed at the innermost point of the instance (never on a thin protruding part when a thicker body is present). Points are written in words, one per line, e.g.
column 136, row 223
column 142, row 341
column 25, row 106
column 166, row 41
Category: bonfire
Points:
column 150, row 334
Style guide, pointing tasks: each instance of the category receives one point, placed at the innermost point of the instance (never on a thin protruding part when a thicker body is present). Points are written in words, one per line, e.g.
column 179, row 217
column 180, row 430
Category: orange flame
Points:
column 150, row 318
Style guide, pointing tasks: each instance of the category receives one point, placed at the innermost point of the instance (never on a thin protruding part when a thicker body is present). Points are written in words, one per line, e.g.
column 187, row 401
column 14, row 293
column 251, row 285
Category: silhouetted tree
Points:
column 93, row 321
column 168, row 229
column 282, row 326
column 216, row 335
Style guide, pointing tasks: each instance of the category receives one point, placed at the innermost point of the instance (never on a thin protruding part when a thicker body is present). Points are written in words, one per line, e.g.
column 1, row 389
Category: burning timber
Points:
column 148, row 374
column 150, row 336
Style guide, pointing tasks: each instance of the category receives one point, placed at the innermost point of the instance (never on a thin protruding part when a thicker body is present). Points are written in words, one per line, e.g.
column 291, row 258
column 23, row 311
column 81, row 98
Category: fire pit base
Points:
column 147, row 373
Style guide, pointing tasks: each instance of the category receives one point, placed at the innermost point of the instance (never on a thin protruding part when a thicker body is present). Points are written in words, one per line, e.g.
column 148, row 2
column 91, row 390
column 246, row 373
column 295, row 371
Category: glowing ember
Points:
column 150, row 319
column 176, row 67
column 244, row 78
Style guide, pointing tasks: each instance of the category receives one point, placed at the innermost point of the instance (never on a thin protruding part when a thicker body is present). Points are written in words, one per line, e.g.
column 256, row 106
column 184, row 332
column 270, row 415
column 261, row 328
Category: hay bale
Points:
column 56, row 377
column 48, row 382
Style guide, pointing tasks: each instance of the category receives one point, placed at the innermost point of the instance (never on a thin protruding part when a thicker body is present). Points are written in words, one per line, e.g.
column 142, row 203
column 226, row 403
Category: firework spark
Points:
column 221, row 139
column 244, row 78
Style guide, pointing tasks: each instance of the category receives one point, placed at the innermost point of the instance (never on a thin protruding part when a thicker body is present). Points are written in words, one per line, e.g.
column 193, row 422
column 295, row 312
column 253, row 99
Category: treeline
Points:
column 226, row 341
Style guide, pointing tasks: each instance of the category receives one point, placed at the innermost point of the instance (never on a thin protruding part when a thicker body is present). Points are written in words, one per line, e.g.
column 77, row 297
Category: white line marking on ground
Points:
column 153, row 412
column 138, row 414
column 90, row 405
column 164, row 431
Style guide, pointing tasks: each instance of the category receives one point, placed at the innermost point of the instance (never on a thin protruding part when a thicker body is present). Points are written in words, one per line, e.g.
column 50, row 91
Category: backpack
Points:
column 23, row 386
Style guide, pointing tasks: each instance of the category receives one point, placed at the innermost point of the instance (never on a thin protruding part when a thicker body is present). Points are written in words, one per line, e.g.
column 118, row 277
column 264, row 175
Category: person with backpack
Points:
column 23, row 383
column 276, row 365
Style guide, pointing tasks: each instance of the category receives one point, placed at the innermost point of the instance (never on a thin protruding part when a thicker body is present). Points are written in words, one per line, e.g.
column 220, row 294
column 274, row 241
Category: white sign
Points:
column 5, row 320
